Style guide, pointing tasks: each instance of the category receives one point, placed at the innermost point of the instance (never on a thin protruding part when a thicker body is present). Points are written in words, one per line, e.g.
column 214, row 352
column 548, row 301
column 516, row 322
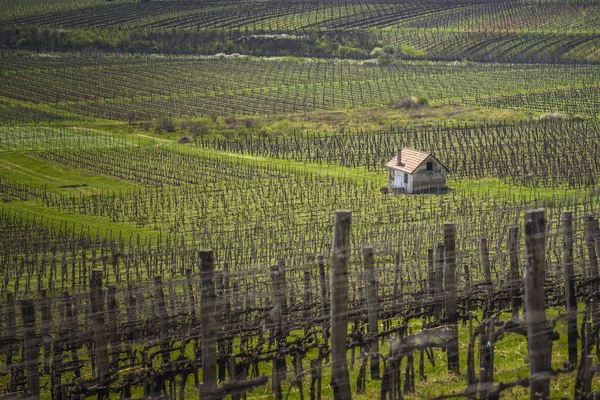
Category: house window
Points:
column 429, row 166
column 405, row 178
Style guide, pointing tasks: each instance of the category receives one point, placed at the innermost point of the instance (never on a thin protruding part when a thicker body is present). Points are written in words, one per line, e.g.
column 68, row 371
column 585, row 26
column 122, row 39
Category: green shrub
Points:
column 423, row 101
column 164, row 125
column 411, row 51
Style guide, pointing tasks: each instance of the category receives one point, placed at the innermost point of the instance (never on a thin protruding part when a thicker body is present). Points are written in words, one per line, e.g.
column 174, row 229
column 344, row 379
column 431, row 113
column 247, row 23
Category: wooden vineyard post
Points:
column 306, row 297
column 316, row 365
column 439, row 281
column 11, row 331
column 431, row 272
column 115, row 342
column 513, row 251
column 283, row 285
column 450, row 288
column 279, row 370
column 486, row 359
column 371, row 292
column 163, row 318
column 208, row 321
column 46, row 325
column 99, row 329
column 485, row 262
column 71, row 324
column 571, row 300
column 340, row 379
column 324, row 282
column 591, row 229
column 397, row 279
column 538, row 338
column 31, row 348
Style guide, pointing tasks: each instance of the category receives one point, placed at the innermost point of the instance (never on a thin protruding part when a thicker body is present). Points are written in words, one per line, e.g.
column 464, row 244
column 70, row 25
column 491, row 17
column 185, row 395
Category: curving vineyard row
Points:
column 297, row 16
column 149, row 87
column 495, row 47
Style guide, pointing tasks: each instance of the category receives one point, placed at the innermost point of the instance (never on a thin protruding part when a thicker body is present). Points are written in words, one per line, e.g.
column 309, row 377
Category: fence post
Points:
column 371, row 293
column 340, row 378
column 538, row 339
column 11, row 331
column 71, row 324
column 590, row 229
column 208, row 323
column 306, row 298
column 450, row 287
column 46, row 325
column 283, row 285
column 115, row 342
column 31, row 348
column 439, row 281
column 485, row 262
column 571, row 300
column 397, row 286
column 513, row 252
column 163, row 318
column 100, row 343
column 431, row 272
column 278, row 305
column 324, row 282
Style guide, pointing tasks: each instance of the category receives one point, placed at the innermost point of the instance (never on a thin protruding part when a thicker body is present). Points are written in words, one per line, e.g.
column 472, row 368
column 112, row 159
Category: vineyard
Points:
column 195, row 204
column 142, row 88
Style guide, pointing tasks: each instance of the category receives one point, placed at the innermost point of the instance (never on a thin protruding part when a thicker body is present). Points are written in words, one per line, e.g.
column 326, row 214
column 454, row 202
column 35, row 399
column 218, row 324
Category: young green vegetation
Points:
column 136, row 134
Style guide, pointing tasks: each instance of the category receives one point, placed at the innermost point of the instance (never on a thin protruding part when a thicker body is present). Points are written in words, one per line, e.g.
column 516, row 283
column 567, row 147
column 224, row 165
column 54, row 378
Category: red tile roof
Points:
column 410, row 160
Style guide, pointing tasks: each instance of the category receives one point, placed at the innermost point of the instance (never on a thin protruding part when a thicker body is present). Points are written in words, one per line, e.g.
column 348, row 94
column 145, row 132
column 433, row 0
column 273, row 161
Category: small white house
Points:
column 413, row 171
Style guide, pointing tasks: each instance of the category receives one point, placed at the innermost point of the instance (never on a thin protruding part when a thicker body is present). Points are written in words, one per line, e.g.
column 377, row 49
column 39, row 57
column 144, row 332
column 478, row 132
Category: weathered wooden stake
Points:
column 340, row 379
column 11, row 330
column 306, row 298
column 485, row 262
column 591, row 229
column 431, row 272
column 515, row 280
column 31, row 348
column 100, row 342
column 208, row 323
column 71, row 324
column 276, row 314
column 324, row 280
column 486, row 359
column 46, row 326
column 397, row 278
column 450, row 288
column 571, row 300
column 115, row 341
column 371, row 293
column 439, row 281
column 163, row 318
column 283, row 289
column 538, row 338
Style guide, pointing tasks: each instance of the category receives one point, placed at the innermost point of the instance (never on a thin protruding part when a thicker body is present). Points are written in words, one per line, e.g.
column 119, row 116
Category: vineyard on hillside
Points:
column 194, row 201
column 121, row 87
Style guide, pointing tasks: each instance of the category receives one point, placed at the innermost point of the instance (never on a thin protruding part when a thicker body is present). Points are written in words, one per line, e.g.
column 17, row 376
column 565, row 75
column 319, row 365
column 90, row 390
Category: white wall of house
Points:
column 403, row 180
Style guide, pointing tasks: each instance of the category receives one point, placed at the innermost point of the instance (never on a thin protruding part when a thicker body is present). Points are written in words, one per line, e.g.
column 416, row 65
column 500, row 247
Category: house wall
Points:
column 425, row 180
column 399, row 179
